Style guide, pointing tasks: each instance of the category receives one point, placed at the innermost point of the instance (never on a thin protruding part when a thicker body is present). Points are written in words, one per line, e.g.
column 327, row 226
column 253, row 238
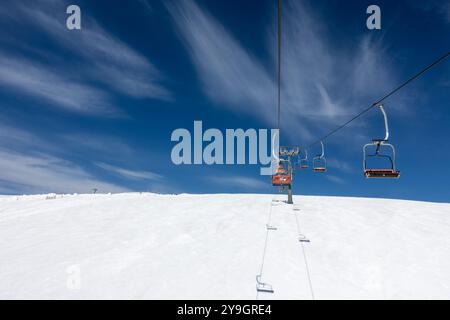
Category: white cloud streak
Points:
column 323, row 83
column 28, row 163
column 147, row 5
column 230, row 74
column 43, row 174
column 39, row 81
column 130, row 174
column 238, row 181
column 340, row 165
column 102, row 60
column 335, row 179
column 97, row 143
column 440, row 7
column 110, row 60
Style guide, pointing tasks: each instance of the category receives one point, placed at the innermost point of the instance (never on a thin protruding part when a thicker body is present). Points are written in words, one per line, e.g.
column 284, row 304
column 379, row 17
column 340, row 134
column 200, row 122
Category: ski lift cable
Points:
column 279, row 61
column 265, row 242
column 265, row 245
column 375, row 104
column 305, row 259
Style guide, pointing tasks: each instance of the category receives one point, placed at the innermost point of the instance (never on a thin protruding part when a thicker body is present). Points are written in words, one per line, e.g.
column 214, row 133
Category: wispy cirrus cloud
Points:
column 130, row 174
column 43, row 174
column 441, row 7
column 238, row 181
column 322, row 81
column 105, row 65
column 110, row 60
column 340, row 165
column 100, row 146
column 13, row 136
column 42, row 163
column 96, row 143
column 146, row 5
column 34, row 79
column 335, row 179
column 230, row 75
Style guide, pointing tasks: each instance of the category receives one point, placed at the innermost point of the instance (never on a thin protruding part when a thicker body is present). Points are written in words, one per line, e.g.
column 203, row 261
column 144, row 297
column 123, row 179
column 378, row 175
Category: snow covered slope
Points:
column 148, row 246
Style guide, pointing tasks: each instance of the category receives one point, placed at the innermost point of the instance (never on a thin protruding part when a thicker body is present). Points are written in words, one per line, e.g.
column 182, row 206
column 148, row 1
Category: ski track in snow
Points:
column 148, row 246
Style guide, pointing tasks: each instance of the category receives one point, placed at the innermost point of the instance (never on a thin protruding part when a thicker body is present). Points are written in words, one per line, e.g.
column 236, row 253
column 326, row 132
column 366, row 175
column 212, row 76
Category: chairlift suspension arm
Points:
column 386, row 126
column 279, row 61
column 323, row 150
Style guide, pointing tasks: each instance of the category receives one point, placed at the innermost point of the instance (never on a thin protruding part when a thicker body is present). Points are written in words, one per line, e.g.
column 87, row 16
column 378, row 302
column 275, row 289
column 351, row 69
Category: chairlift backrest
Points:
column 303, row 162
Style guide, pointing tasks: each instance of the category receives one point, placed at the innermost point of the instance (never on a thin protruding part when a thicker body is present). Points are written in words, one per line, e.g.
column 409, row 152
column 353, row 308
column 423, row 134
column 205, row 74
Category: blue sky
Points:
column 95, row 108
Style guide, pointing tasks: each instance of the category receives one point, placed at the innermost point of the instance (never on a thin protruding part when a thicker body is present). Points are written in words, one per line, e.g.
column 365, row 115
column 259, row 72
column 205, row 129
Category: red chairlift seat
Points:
column 320, row 169
column 381, row 173
column 279, row 180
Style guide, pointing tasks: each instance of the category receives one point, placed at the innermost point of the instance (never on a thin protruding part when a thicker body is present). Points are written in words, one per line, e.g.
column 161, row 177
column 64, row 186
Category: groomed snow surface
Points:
column 148, row 246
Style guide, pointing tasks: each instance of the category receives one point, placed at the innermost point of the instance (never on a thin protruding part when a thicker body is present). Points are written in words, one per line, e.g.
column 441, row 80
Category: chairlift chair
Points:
column 303, row 162
column 320, row 162
column 379, row 144
column 281, row 178
column 263, row 287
